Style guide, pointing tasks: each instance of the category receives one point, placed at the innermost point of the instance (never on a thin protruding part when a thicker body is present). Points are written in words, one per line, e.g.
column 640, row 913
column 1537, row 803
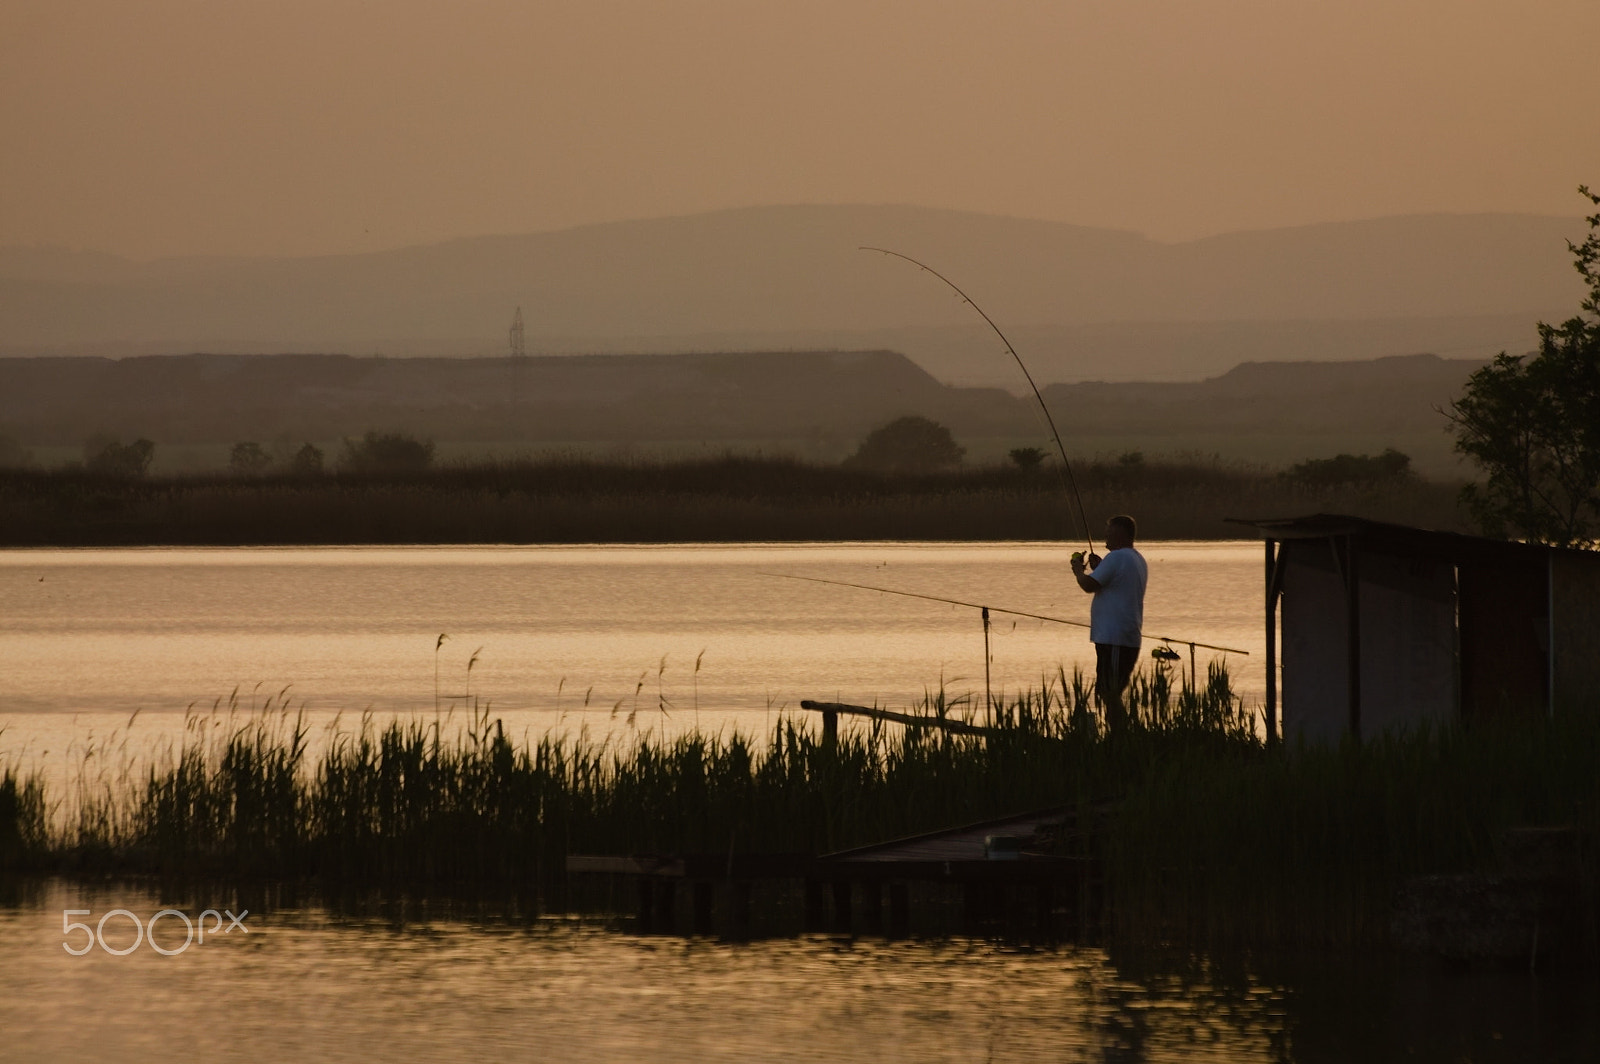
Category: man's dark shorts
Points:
column 1113, row 665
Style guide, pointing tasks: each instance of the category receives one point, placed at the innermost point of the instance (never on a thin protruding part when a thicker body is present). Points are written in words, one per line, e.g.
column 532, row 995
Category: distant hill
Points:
column 607, row 398
column 1397, row 394
column 814, row 404
column 1081, row 303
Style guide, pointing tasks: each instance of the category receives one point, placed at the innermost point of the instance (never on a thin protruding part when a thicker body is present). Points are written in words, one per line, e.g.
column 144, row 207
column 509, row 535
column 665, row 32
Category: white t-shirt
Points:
column 1116, row 615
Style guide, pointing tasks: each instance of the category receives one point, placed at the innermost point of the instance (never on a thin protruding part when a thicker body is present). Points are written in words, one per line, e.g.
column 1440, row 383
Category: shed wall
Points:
column 1408, row 642
column 1575, row 581
column 1505, row 632
column 1314, row 702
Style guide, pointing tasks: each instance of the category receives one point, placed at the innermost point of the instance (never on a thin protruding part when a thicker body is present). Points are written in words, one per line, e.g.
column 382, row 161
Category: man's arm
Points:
column 1089, row 584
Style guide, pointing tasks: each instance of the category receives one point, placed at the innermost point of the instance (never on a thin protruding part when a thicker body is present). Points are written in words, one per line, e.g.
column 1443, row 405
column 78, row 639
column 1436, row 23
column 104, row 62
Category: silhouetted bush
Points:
column 910, row 444
column 1389, row 466
column 392, row 452
column 1027, row 458
column 249, row 459
column 113, row 458
column 307, row 461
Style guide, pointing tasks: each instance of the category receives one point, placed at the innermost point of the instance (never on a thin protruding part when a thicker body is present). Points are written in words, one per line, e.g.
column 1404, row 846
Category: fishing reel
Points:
column 1165, row 655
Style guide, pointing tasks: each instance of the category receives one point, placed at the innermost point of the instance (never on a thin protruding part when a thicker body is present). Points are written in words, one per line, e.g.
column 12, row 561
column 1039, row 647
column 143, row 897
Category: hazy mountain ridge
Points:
column 793, row 277
column 818, row 404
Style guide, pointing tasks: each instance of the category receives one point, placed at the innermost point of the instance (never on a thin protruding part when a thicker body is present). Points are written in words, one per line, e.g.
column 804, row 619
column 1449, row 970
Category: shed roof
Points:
column 1404, row 539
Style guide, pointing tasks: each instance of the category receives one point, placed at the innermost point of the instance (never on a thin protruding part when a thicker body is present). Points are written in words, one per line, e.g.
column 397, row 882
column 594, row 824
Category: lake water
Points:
column 294, row 984
column 556, row 637
column 116, row 646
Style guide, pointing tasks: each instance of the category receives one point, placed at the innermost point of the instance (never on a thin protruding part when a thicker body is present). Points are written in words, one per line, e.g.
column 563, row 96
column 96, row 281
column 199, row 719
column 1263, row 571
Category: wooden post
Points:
column 646, row 906
column 1086, row 905
column 1272, row 641
column 974, row 908
column 872, row 907
column 1550, row 627
column 704, row 906
column 899, row 910
column 1071, row 928
column 830, row 729
column 666, row 898
column 813, row 905
column 739, row 909
column 988, row 695
column 841, row 906
column 1352, row 607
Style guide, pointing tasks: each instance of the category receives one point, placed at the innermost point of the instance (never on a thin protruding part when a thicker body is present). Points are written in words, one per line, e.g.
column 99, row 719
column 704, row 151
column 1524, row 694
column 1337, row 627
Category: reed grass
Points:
column 1305, row 847
column 24, row 833
column 1209, row 836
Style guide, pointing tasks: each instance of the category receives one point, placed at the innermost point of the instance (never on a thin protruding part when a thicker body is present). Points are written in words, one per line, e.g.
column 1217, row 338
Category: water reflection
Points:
column 303, row 985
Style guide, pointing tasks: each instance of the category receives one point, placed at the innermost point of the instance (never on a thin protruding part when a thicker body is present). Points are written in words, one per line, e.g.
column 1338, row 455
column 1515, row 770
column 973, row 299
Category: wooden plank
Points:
column 1016, row 824
column 705, row 866
column 957, row 727
column 627, row 866
column 1027, row 869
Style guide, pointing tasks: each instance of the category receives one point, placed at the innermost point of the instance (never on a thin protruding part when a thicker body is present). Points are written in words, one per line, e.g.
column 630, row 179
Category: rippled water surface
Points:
column 299, row 987
column 102, row 654
column 303, row 986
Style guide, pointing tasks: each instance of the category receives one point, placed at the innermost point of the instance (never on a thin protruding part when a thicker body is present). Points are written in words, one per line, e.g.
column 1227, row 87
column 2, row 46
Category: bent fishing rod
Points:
column 995, row 609
column 1066, row 465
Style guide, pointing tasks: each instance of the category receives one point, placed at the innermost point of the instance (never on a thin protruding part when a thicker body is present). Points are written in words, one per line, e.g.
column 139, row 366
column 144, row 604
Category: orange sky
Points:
column 152, row 128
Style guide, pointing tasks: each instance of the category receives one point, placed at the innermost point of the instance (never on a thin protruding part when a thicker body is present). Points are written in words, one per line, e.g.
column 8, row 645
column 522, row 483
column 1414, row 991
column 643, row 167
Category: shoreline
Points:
column 726, row 500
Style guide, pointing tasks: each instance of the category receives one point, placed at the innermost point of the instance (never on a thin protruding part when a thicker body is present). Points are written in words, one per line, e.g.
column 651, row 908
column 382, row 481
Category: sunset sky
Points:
column 156, row 128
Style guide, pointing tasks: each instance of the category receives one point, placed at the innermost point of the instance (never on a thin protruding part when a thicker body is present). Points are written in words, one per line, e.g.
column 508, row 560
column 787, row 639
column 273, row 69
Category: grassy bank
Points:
column 720, row 500
column 1214, row 839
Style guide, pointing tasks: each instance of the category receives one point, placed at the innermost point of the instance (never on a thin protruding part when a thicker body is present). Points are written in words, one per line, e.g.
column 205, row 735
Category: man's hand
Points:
column 1085, row 581
column 1094, row 560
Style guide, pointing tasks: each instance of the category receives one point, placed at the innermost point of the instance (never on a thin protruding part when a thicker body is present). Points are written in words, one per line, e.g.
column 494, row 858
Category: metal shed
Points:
column 1386, row 626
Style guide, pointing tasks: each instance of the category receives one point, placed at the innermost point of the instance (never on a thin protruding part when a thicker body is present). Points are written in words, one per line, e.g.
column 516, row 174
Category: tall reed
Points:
column 24, row 830
column 415, row 804
column 1306, row 846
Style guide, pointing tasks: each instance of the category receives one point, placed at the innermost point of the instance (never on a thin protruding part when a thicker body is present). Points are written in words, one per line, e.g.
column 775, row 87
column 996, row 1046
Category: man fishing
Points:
column 1116, row 616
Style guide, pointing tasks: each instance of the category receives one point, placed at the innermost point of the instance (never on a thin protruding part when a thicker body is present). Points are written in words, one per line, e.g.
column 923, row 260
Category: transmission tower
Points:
column 519, row 348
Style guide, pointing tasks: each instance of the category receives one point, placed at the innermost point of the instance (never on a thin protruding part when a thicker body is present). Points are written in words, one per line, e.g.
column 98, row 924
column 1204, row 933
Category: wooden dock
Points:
column 994, row 870
column 1034, row 875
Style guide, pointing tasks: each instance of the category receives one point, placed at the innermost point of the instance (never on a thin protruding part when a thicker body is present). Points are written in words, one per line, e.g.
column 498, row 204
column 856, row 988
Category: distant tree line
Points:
column 910, row 445
column 373, row 452
column 114, row 458
column 250, row 459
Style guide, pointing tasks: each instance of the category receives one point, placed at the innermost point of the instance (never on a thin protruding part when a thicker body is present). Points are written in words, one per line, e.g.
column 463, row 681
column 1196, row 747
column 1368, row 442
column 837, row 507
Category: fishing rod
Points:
column 994, row 609
column 1066, row 465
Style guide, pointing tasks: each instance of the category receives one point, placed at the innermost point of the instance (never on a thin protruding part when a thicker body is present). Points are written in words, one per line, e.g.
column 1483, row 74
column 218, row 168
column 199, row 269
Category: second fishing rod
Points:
column 1164, row 655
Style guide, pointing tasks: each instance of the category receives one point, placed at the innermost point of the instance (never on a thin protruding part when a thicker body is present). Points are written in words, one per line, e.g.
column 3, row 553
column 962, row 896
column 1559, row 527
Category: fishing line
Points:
column 1055, row 435
column 993, row 609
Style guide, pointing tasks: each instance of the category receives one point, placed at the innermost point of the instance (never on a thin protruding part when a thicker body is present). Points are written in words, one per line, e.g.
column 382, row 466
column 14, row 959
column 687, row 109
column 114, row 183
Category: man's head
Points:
column 1120, row 531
